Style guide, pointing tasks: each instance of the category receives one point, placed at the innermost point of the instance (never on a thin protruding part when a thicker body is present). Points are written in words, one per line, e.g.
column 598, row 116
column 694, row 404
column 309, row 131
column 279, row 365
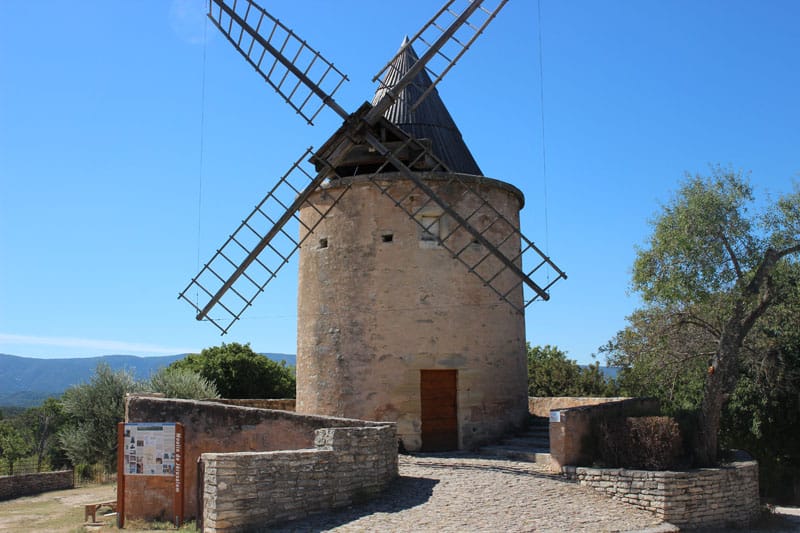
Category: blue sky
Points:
column 131, row 146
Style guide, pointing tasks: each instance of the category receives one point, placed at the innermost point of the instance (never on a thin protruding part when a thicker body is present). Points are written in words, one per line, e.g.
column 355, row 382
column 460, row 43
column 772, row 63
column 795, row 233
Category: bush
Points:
column 647, row 442
column 238, row 372
column 181, row 383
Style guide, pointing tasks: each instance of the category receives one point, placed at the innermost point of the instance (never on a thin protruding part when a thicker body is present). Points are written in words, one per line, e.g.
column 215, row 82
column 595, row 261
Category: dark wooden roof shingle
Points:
column 430, row 120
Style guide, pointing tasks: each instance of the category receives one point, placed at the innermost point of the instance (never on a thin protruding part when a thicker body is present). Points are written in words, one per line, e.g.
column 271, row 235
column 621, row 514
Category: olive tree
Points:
column 92, row 411
column 713, row 263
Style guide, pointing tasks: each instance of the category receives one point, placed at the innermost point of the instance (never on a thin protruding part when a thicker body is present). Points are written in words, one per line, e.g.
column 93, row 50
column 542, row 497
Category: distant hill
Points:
column 28, row 381
column 610, row 372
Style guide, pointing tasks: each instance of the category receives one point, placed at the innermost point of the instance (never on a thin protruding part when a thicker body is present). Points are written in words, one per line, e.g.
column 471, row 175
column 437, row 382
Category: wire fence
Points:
column 26, row 465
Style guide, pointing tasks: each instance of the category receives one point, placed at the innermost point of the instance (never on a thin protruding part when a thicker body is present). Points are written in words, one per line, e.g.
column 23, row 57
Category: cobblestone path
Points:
column 469, row 493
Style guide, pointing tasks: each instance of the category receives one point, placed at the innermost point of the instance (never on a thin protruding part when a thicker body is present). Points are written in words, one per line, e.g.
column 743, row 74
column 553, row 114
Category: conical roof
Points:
column 430, row 120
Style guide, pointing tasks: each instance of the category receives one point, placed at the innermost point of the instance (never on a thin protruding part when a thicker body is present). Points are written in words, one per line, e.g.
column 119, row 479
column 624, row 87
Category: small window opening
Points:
column 430, row 228
column 387, row 237
column 323, row 243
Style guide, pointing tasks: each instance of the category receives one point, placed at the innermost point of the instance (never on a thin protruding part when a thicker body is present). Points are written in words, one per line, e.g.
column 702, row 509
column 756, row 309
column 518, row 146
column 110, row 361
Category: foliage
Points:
column 551, row 373
column 93, row 411
column 647, row 442
column 718, row 329
column 763, row 413
column 659, row 359
column 239, row 372
column 181, row 383
column 43, row 423
column 13, row 444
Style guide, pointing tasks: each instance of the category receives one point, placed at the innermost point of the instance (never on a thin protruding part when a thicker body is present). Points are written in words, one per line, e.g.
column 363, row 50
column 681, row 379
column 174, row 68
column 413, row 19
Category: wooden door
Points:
column 439, row 411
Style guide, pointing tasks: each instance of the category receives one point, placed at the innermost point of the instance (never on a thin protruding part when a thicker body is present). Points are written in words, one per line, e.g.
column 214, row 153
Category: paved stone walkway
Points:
column 470, row 493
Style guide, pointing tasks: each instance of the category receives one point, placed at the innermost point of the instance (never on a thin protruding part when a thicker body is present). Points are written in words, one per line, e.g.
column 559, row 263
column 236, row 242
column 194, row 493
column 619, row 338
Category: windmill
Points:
column 453, row 210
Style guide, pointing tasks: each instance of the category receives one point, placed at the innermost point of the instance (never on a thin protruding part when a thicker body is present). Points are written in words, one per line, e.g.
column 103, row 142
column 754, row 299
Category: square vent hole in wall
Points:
column 323, row 243
column 387, row 237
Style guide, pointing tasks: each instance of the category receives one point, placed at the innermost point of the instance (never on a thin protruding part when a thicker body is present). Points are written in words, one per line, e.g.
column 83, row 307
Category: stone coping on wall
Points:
column 284, row 404
column 726, row 496
column 542, row 405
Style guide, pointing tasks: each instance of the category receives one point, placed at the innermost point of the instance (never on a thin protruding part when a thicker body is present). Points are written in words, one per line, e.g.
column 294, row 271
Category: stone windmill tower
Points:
column 413, row 274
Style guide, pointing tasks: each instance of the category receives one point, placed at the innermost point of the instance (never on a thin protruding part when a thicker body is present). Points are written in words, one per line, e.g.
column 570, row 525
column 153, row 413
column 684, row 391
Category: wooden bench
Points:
column 92, row 508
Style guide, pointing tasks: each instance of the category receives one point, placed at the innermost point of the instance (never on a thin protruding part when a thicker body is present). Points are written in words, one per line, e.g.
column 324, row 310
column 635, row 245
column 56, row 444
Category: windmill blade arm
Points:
column 507, row 263
column 256, row 251
column 437, row 36
column 299, row 73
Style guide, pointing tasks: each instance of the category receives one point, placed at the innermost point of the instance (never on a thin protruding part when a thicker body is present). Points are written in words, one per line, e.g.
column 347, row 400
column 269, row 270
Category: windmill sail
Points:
column 305, row 79
column 442, row 41
column 265, row 241
column 258, row 249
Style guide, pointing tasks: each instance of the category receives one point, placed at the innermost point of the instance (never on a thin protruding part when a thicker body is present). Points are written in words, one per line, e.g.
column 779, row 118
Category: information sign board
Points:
column 149, row 449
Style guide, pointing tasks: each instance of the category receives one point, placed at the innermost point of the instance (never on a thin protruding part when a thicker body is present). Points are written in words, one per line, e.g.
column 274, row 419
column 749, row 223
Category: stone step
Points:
column 538, row 442
column 536, row 433
column 518, row 453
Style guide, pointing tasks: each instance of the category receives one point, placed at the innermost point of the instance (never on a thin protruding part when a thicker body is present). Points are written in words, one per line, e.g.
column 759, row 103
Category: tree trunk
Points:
column 720, row 380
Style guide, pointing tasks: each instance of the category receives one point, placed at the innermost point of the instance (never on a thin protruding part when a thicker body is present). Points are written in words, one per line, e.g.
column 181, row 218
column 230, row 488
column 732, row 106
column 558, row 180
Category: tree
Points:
column 44, row 422
column 239, row 372
column 13, row 444
column 181, row 383
column 93, row 411
column 551, row 373
column 711, row 266
column 661, row 357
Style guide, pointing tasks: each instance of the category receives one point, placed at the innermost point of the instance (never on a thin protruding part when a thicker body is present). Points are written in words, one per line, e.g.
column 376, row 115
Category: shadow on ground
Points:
column 403, row 493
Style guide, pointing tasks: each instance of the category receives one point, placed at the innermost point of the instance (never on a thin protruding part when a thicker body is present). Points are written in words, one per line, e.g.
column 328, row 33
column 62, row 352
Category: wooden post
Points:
column 121, row 475
column 179, row 470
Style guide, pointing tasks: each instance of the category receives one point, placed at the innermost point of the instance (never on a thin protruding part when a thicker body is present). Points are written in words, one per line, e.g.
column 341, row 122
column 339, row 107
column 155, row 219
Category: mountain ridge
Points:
column 28, row 381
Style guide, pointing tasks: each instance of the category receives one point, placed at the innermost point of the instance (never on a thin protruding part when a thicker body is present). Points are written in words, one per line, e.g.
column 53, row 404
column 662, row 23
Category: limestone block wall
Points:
column 210, row 426
column 542, row 405
column 571, row 437
column 250, row 491
column 27, row 484
column 707, row 497
column 378, row 302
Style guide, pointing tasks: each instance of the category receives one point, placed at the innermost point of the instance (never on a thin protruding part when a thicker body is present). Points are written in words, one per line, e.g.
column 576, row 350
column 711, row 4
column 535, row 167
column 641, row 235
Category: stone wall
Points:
column 542, row 405
column 26, row 484
column 707, row 497
column 571, row 430
column 210, row 426
column 249, row 491
column 286, row 404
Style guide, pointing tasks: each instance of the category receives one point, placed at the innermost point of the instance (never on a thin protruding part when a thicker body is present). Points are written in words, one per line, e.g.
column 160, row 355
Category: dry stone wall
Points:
column 250, row 491
column 26, row 484
column 707, row 497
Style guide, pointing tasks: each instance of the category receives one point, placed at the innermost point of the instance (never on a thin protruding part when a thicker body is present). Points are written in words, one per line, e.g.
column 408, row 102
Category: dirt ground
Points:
column 58, row 511
column 63, row 512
